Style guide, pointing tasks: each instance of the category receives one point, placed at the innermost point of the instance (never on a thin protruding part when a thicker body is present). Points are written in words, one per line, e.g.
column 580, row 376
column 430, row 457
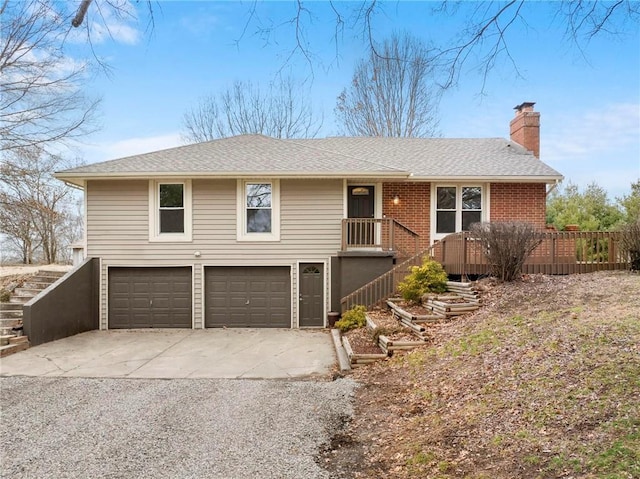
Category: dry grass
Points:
column 544, row 381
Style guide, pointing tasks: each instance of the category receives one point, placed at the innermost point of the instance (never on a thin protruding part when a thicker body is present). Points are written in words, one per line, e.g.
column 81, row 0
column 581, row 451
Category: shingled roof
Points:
column 258, row 155
column 436, row 158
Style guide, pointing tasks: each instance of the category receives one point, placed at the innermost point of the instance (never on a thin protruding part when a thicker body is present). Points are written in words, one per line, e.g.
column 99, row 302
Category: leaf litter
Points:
column 542, row 381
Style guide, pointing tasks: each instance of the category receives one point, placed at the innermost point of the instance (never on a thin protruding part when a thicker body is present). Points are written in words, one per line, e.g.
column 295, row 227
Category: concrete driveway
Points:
column 178, row 353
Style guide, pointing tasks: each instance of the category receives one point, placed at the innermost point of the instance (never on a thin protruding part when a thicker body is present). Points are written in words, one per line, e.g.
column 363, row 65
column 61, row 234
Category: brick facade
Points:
column 413, row 209
column 519, row 202
column 508, row 202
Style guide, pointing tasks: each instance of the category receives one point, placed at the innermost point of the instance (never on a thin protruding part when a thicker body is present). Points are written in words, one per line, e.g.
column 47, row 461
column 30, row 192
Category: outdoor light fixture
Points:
column 396, row 200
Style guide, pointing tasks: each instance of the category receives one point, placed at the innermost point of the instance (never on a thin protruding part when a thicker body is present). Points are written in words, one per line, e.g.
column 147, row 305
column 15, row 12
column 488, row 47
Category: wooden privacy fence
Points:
column 560, row 252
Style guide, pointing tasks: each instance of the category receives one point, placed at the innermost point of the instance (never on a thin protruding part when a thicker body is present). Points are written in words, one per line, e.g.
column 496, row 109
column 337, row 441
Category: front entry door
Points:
column 361, row 204
column 311, row 305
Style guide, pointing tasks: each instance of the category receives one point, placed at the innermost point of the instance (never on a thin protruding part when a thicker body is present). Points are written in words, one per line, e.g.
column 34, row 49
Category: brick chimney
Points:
column 525, row 128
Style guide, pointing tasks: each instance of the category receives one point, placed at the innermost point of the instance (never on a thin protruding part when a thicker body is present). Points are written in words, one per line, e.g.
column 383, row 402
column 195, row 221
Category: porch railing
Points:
column 561, row 252
column 381, row 234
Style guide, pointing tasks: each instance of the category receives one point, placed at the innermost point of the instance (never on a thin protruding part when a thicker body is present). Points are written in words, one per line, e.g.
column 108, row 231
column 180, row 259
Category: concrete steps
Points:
column 11, row 339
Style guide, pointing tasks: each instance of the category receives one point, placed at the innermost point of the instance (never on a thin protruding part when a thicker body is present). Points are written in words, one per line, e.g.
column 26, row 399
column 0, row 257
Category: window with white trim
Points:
column 258, row 207
column 259, row 210
column 170, row 210
column 457, row 208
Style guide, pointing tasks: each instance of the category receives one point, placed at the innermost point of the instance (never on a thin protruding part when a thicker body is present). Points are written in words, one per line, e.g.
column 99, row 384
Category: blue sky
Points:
column 589, row 97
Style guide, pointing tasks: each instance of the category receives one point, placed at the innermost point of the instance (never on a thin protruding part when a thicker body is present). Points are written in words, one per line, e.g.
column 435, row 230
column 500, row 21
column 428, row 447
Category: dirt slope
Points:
column 544, row 381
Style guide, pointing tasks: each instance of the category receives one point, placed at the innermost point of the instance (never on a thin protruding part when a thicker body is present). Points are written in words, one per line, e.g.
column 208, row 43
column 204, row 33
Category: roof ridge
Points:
column 296, row 140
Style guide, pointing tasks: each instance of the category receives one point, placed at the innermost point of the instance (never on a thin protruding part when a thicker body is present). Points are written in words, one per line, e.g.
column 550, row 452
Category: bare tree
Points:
column 15, row 224
column 34, row 207
column 391, row 93
column 283, row 112
column 41, row 100
column 484, row 40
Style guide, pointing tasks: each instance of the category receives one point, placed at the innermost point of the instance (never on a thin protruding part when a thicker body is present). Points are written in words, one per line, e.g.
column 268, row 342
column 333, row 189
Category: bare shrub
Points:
column 630, row 243
column 507, row 245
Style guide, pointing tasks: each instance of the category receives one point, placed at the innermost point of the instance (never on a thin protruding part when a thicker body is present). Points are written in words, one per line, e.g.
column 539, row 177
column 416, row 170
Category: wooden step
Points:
column 10, row 307
column 20, row 299
column 10, row 323
column 27, row 291
column 40, row 285
column 13, row 348
column 11, row 314
column 38, row 278
column 49, row 272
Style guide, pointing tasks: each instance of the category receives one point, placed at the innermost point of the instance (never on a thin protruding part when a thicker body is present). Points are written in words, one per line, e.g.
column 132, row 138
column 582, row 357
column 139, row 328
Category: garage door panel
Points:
column 150, row 297
column 161, row 303
column 248, row 296
column 259, row 303
column 258, row 287
column 160, row 288
column 119, row 288
column 183, row 290
column 140, row 287
column 279, row 286
column 182, row 303
column 217, row 286
column 238, row 302
column 136, row 303
column 237, row 287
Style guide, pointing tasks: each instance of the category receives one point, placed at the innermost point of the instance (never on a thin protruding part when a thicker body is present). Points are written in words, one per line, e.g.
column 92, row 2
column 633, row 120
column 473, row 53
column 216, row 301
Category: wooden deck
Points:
column 561, row 252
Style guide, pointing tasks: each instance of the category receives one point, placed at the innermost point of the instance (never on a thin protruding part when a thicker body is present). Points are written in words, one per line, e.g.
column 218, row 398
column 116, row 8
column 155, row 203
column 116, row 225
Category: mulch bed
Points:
column 390, row 326
column 361, row 341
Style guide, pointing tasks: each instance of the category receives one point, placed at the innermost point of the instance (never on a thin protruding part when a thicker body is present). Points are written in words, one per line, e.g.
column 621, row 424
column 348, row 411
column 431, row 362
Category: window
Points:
column 446, row 209
column 258, row 207
column 457, row 208
column 258, row 211
column 471, row 206
column 170, row 210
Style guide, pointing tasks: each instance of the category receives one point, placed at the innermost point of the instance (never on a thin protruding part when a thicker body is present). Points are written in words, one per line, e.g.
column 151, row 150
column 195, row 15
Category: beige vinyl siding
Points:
column 118, row 230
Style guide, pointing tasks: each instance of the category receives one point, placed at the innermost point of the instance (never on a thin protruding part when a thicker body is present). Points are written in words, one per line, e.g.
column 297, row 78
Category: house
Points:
column 252, row 231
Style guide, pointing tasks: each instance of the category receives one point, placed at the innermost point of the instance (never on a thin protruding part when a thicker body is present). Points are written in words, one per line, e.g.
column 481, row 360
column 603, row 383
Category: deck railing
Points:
column 560, row 252
column 379, row 234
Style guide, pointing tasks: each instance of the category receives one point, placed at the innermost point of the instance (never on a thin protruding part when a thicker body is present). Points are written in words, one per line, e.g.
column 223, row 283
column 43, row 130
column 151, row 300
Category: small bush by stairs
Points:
column 12, row 339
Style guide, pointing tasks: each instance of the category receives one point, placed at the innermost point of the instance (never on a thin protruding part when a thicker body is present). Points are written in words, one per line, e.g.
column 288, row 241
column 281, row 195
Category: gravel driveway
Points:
column 181, row 428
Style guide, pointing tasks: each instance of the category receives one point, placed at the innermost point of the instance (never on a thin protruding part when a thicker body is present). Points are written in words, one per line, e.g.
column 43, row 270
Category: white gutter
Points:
column 74, row 185
column 75, row 178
